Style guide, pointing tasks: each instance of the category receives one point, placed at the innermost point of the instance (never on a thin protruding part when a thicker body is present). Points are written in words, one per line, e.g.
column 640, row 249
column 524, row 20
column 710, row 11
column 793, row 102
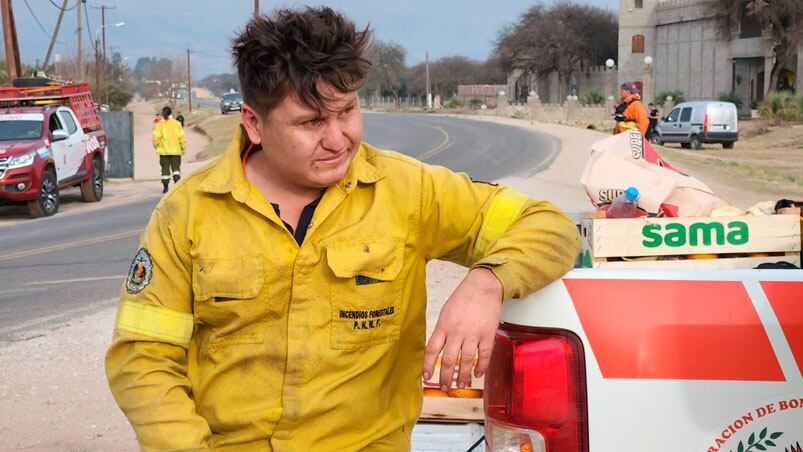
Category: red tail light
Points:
column 705, row 123
column 535, row 392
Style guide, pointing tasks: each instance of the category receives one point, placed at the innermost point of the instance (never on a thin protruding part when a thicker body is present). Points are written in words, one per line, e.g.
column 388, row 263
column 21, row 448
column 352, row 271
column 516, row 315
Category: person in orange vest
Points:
column 630, row 113
column 169, row 141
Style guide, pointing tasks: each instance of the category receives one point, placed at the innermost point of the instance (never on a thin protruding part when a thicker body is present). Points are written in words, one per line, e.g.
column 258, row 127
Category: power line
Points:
column 63, row 9
column 37, row 20
column 89, row 27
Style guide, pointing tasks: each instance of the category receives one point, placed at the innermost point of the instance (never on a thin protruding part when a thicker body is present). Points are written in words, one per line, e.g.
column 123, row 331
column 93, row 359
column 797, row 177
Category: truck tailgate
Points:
column 680, row 360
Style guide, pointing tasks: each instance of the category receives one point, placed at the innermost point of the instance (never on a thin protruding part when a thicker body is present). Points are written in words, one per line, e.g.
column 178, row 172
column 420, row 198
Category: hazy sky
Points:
column 166, row 28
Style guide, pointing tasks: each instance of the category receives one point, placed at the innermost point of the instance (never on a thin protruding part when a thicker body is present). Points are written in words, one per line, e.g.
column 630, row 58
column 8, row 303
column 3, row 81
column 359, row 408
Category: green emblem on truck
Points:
column 676, row 234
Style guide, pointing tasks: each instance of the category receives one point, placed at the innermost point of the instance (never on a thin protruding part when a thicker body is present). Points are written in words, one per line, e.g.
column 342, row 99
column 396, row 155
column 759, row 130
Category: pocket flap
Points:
column 239, row 277
column 378, row 259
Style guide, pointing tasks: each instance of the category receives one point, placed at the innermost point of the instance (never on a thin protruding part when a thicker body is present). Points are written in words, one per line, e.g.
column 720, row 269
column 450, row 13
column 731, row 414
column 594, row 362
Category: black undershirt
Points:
column 306, row 214
column 303, row 221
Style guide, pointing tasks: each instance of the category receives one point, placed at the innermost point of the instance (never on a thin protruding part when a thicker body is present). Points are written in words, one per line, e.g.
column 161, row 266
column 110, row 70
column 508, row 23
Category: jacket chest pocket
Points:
column 366, row 296
column 226, row 293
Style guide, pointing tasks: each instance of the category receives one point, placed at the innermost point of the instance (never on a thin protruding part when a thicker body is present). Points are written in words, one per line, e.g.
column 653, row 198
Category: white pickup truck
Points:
column 645, row 361
column 648, row 360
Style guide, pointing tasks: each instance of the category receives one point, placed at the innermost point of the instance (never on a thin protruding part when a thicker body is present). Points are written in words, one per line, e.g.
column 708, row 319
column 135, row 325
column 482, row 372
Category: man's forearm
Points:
column 149, row 383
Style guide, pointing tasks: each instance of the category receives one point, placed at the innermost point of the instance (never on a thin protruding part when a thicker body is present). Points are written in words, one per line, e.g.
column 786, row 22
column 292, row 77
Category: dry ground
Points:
column 767, row 159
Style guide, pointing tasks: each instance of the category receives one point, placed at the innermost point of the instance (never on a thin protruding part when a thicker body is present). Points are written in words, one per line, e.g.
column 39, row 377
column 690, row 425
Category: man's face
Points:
column 305, row 148
column 624, row 94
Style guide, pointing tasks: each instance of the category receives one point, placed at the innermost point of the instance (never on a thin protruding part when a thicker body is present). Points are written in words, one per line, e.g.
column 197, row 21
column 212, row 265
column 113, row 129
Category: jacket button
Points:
column 348, row 184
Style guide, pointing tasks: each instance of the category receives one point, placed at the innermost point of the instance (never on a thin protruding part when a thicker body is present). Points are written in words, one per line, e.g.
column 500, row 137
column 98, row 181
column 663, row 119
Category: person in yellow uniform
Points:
column 278, row 297
column 169, row 141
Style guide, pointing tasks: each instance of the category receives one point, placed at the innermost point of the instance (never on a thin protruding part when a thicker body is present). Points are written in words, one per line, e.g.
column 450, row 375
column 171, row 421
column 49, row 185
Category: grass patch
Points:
column 219, row 129
column 771, row 175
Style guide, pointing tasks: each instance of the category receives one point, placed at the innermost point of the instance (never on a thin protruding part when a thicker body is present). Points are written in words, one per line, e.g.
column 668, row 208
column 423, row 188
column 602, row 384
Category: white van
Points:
column 693, row 123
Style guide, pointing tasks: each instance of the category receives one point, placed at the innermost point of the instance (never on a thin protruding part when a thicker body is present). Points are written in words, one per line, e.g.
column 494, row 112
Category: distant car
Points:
column 231, row 102
column 693, row 123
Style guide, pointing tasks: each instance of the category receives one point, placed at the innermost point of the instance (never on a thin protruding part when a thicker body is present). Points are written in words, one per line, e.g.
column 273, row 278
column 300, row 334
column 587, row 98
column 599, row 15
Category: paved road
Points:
column 56, row 268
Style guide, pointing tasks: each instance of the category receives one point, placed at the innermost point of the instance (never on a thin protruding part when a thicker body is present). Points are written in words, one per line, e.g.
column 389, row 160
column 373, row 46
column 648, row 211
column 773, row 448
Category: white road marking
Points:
column 76, row 280
column 65, row 246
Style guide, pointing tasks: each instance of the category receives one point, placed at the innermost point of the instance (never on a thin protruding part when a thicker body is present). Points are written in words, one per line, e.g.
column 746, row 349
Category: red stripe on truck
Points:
column 786, row 299
column 686, row 330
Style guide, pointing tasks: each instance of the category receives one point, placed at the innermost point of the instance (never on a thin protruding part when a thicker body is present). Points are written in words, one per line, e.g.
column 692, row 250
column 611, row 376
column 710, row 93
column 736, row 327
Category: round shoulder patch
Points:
column 140, row 273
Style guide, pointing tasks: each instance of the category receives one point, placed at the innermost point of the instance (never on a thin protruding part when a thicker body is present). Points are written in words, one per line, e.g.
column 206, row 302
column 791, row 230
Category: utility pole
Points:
column 103, row 59
column 97, row 69
column 10, row 40
column 79, row 32
column 256, row 8
column 189, row 80
column 103, row 9
column 429, row 92
column 55, row 33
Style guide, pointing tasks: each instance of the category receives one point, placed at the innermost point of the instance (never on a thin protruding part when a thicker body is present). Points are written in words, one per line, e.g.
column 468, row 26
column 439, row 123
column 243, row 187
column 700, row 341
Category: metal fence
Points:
column 119, row 128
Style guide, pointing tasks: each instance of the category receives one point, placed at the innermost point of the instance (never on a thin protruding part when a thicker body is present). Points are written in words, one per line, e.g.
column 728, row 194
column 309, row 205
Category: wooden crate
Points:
column 453, row 409
column 737, row 242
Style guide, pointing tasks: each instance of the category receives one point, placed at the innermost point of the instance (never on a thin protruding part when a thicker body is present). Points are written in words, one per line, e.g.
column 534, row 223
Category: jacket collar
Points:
column 228, row 176
column 632, row 97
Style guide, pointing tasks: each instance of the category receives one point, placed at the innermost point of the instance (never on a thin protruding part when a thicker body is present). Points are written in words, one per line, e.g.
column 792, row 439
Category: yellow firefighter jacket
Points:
column 168, row 137
column 231, row 336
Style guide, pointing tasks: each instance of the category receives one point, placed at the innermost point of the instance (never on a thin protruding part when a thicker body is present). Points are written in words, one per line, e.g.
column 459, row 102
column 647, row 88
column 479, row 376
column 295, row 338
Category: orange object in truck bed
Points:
column 74, row 95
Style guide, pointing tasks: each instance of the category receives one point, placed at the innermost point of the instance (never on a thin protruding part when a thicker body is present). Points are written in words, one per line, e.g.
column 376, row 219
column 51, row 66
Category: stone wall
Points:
column 549, row 88
column 570, row 112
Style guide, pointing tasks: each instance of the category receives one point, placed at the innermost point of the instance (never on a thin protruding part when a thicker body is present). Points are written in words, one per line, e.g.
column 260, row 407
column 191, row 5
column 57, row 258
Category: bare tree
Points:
column 449, row 72
column 781, row 20
column 563, row 37
column 388, row 69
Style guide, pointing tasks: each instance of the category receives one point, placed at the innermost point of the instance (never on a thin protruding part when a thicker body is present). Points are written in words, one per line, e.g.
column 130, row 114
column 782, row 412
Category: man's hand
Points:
column 467, row 323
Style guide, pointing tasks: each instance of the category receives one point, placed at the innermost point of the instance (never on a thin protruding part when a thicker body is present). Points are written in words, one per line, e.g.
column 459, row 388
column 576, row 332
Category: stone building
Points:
column 688, row 54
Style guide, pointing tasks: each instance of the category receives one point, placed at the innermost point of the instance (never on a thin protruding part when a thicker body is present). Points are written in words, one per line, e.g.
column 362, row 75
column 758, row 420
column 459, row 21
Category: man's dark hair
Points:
column 293, row 50
column 651, row 104
column 166, row 111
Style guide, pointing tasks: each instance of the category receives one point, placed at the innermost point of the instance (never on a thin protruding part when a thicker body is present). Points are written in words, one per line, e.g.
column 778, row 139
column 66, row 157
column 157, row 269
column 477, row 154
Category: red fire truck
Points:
column 51, row 138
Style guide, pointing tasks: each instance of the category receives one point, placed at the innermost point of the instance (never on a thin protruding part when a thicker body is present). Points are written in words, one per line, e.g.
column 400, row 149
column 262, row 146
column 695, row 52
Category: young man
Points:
column 654, row 115
column 278, row 299
column 169, row 142
column 630, row 113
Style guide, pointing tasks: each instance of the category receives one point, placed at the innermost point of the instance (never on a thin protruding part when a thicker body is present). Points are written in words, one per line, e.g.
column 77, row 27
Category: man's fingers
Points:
column 448, row 361
column 434, row 347
column 466, row 363
column 485, row 349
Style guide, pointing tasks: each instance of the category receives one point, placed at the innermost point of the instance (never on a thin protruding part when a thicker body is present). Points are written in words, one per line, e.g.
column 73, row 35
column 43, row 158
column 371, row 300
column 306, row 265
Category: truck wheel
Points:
column 727, row 145
column 656, row 139
column 684, row 145
column 695, row 142
column 48, row 201
column 92, row 189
